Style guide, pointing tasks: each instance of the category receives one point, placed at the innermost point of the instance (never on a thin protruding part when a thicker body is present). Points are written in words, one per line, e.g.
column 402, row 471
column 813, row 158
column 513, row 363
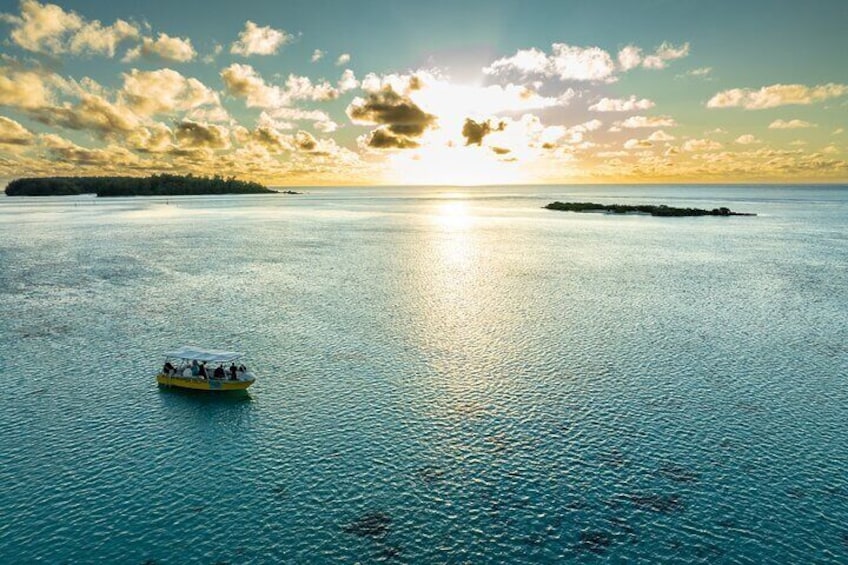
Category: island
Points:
column 154, row 185
column 653, row 210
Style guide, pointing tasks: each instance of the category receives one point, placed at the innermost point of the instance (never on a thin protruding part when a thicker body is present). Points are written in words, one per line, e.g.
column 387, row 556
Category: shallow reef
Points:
column 370, row 525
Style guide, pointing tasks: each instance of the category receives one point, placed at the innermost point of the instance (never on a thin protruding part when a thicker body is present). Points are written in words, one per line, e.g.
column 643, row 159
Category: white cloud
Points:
column 637, row 144
column 664, row 53
column 255, row 40
column 343, row 59
column 647, row 122
column 23, row 89
column 581, row 63
column 164, row 91
column 791, row 124
column 629, row 57
column 660, row 135
column 49, row 29
column 621, row 105
column 347, row 81
column 43, row 28
column 165, row 47
column 694, row 145
column 242, row 81
column 701, row 72
column 302, row 88
column 747, row 139
column 94, row 38
column 569, row 62
column 317, row 55
column 776, row 95
column 838, row 131
column 525, row 61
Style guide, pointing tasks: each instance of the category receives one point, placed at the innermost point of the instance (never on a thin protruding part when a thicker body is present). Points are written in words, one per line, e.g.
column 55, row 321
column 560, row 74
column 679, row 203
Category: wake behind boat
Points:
column 194, row 368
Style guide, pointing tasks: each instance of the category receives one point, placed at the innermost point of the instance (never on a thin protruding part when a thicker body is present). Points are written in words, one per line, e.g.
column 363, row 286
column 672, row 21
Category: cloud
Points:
column 305, row 141
column 242, row 81
column 383, row 138
column 92, row 113
column 474, row 132
column 621, row 105
column 49, row 29
column 347, row 81
column 343, row 59
column 13, row 133
column 165, row 47
column 647, row 122
column 838, row 131
column 660, row 135
column 791, row 124
column 302, row 88
column 747, row 139
column 629, row 57
column 156, row 138
column 400, row 118
column 94, row 38
column 43, row 28
column 700, row 72
column 566, row 62
column 164, row 91
column 255, row 40
column 23, row 89
column 317, row 55
column 581, row 63
column 664, row 53
column 693, row 145
column 569, row 62
column 112, row 157
column 776, row 95
column 637, row 144
column 196, row 135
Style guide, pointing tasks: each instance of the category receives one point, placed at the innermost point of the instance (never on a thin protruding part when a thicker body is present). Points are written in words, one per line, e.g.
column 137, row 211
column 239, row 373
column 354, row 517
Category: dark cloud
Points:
column 501, row 150
column 474, row 132
column 383, row 138
column 91, row 113
column 401, row 119
column 305, row 141
column 194, row 135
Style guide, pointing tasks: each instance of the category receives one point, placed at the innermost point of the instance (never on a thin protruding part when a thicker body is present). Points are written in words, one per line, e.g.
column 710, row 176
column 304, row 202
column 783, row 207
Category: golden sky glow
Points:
column 84, row 92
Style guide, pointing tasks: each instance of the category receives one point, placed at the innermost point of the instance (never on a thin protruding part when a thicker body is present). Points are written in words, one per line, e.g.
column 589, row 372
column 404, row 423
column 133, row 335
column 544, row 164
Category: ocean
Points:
column 445, row 375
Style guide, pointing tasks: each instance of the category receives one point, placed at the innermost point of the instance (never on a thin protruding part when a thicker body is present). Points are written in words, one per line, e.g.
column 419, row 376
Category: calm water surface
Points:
column 449, row 376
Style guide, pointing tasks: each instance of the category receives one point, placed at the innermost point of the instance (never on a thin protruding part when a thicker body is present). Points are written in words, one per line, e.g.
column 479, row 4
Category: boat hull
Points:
column 195, row 383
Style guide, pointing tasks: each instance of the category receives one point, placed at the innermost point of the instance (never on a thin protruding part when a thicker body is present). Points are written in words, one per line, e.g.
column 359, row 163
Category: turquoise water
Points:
column 445, row 376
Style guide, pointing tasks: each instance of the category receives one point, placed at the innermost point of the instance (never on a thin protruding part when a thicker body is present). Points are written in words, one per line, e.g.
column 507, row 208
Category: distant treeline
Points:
column 653, row 210
column 155, row 185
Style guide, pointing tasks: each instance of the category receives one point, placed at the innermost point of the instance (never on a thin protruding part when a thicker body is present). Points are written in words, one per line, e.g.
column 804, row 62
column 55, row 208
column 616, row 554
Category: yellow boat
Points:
column 189, row 370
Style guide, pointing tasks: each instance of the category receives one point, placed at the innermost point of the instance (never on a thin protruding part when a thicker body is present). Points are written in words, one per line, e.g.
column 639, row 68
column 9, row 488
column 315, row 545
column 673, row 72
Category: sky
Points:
column 321, row 92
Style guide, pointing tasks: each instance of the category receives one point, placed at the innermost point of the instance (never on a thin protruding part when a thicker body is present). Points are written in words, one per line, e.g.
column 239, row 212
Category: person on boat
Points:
column 201, row 371
column 195, row 368
column 219, row 372
column 167, row 368
column 233, row 371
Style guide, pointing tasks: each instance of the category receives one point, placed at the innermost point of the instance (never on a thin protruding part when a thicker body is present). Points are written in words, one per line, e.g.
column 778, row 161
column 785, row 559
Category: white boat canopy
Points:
column 209, row 355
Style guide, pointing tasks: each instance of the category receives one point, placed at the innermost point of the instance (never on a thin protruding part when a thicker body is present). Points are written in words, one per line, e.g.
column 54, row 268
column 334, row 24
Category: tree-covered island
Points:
column 653, row 210
column 154, row 185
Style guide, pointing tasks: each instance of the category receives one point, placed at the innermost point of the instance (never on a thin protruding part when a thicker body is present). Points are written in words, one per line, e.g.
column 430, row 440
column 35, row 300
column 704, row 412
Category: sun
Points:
column 453, row 166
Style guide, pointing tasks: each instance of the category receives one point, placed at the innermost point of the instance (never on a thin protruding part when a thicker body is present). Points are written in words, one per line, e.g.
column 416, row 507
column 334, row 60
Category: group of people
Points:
column 196, row 369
